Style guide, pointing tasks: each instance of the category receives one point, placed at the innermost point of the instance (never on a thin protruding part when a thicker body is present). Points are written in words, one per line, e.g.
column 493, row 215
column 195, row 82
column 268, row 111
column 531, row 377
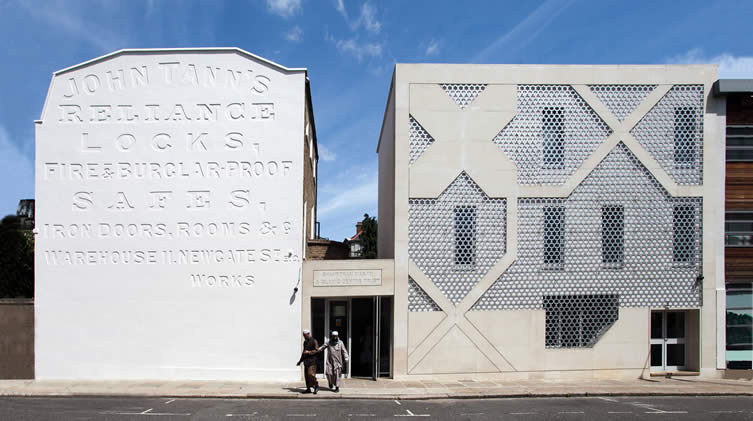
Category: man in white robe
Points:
column 337, row 357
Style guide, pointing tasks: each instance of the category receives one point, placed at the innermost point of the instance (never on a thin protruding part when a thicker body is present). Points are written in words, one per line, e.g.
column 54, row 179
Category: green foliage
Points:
column 16, row 259
column 369, row 237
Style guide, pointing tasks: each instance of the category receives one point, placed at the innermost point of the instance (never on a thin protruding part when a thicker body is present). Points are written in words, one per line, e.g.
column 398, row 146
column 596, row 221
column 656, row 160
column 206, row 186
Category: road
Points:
column 166, row 409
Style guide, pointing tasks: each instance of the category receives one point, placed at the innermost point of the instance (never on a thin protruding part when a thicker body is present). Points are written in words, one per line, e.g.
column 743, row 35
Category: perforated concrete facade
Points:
column 526, row 195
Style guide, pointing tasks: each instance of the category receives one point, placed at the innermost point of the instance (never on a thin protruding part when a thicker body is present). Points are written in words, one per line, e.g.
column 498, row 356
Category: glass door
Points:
column 668, row 333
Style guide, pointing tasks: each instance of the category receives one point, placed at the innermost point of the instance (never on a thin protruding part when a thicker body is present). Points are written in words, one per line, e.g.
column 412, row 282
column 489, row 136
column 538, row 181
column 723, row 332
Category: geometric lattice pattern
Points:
column 418, row 299
column 649, row 273
column 552, row 122
column 463, row 93
column 621, row 100
column 419, row 140
column 578, row 321
column 672, row 132
column 456, row 238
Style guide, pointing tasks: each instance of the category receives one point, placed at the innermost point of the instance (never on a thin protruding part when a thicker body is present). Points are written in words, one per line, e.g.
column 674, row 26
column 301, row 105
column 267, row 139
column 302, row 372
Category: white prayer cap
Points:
column 334, row 333
column 306, row 331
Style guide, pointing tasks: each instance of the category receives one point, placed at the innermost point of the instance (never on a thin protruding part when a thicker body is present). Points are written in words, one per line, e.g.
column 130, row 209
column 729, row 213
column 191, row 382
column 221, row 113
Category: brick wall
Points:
column 16, row 339
column 326, row 250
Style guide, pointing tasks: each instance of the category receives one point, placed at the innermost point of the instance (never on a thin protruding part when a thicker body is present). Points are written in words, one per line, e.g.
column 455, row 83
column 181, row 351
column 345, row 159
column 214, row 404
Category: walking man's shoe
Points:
column 337, row 389
column 307, row 391
column 316, row 389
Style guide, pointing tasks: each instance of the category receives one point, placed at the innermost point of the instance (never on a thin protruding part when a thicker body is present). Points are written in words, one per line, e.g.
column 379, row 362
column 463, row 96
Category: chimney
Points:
column 358, row 227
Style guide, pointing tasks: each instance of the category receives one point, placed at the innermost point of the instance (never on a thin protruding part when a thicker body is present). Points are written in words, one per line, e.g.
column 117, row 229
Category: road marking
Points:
column 608, row 400
column 652, row 410
column 145, row 413
column 241, row 415
column 148, row 410
column 727, row 412
column 397, row 402
column 301, row 415
column 522, row 413
column 411, row 414
column 570, row 412
column 170, row 401
column 362, row 415
column 666, row 412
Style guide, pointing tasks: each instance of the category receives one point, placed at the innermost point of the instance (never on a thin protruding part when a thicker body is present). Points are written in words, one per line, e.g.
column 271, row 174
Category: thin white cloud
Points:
column 525, row 31
column 295, row 34
column 730, row 66
column 325, row 154
column 340, row 6
column 360, row 194
column 16, row 175
column 432, row 49
column 284, row 8
column 59, row 15
column 356, row 49
column 367, row 18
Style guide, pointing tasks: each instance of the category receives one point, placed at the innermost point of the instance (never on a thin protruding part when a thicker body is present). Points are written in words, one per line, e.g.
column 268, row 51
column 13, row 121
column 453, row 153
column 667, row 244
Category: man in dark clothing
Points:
column 308, row 358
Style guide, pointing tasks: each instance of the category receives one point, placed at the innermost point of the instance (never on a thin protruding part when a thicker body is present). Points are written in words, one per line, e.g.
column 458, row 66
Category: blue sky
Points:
column 350, row 48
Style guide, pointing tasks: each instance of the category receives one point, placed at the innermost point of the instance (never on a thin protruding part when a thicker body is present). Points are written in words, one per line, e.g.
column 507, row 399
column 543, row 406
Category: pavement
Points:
column 386, row 388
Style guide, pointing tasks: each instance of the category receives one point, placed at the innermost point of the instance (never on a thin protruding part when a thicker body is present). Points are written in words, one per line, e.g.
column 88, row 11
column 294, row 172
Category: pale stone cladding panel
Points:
column 169, row 188
column 603, row 163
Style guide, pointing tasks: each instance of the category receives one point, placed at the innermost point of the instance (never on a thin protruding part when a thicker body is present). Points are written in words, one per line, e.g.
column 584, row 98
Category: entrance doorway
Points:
column 668, row 338
column 364, row 324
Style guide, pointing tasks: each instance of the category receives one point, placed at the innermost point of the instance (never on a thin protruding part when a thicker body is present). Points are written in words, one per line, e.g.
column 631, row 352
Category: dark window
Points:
column 554, row 236
column 465, row 235
column 686, row 132
column 613, row 235
column 684, row 247
column 740, row 143
column 576, row 321
column 553, row 127
column 738, row 229
column 739, row 353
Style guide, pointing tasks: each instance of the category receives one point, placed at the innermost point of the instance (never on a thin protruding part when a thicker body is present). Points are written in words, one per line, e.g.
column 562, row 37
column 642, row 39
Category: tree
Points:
column 369, row 237
column 16, row 259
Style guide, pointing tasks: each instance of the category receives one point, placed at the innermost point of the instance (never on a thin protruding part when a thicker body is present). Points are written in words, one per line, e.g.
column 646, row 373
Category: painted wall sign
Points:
column 168, row 217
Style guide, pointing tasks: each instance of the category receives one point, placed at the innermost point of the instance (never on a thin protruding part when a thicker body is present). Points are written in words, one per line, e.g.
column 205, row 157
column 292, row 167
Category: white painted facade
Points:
column 169, row 197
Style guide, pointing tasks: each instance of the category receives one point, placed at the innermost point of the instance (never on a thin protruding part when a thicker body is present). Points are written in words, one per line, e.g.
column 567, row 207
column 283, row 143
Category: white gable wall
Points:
column 169, row 196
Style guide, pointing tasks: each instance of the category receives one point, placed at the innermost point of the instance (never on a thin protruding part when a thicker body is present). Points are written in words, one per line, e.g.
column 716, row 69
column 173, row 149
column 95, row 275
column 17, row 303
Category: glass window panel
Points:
column 740, row 338
column 739, row 155
column 675, row 325
column 656, row 328
column 685, row 135
column 733, row 130
column 739, row 317
column 553, row 132
column 738, row 216
column 738, row 240
column 554, row 221
column 676, row 355
column 739, row 299
column 683, row 218
column 612, row 234
column 739, row 226
column 656, row 355
column 465, row 235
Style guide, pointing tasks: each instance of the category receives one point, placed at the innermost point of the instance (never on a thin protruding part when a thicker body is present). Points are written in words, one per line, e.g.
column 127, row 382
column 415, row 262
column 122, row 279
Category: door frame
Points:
column 375, row 359
column 664, row 341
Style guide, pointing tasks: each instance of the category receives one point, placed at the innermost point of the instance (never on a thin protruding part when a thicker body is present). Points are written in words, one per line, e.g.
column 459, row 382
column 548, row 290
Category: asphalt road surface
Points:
column 164, row 409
